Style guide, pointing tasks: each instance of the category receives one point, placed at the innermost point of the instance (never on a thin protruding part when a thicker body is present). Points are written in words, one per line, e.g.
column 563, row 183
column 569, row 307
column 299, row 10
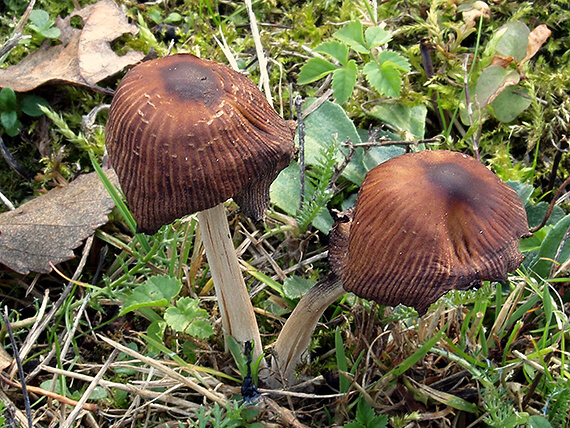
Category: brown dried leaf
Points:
column 502, row 61
column 472, row 11
column 103, row 23
column 5, row 359
column 536, row 39
column 48, row 228
column 85, row 56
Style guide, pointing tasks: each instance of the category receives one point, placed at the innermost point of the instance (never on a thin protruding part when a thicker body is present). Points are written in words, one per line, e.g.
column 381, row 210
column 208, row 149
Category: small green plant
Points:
column 184, row 316
column 383, row 68
column 496, row 81
column 318, row 190
column 42, row 26
column 2, row 411
column 366, row 417
column 12, row 107
column 235, row 415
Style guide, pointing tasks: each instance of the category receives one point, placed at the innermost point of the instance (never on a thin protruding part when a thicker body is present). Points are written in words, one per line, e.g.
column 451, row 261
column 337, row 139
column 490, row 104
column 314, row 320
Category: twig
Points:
column 347, row 158
column 476, row 135
column 12, row 42
column 6, row 202
column 13, row 163
column 16, row 415
column 551, row 207
column 40, row 391
column 298, row 101
column 75, row 413
column 383, row 141
column 131, row 389
column 264, row 78
column 286, row 415
column 33, row 336
column 19, row 364
column 70, row 335
column 168, row 372
column 317, row 103
column 561, row 148
column 88, row 120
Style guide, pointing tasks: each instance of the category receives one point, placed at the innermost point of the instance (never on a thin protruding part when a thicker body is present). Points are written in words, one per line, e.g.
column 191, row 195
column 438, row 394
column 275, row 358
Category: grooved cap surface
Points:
column 426, row 223
column 185, row 134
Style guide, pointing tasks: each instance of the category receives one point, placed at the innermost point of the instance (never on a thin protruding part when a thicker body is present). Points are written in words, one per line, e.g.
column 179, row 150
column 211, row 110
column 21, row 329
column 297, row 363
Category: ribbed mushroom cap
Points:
column 426, row 223
column 185, row 134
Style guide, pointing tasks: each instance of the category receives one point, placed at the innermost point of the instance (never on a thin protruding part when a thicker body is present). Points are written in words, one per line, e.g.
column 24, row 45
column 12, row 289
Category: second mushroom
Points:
column 423, row 224
column 184, row 135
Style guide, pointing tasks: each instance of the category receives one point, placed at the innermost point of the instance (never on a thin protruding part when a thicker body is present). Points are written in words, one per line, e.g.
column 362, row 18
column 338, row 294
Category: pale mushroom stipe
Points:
column 423, row 224
column 184, row 135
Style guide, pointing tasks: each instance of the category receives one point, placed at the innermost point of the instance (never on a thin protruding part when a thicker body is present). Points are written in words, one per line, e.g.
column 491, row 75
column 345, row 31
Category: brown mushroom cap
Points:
column 185, row 134
column 426, row 223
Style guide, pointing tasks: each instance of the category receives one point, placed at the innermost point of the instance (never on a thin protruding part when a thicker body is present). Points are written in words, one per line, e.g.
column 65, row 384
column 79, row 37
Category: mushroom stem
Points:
column 238, row 318
column 296, row 334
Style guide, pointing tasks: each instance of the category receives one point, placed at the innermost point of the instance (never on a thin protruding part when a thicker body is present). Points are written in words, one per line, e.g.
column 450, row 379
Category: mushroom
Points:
column 186, row 134
column 423, row 224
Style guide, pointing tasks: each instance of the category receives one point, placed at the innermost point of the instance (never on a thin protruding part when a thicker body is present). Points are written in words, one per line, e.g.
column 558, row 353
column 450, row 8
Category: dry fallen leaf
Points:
column 85, row 56
column 49, row 227
column 5, row 359
column 536, row 39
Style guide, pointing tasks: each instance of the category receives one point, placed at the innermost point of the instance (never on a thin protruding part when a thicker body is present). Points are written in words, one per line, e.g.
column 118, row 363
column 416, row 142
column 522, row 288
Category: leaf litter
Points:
column 48, row 228
column 83, row 58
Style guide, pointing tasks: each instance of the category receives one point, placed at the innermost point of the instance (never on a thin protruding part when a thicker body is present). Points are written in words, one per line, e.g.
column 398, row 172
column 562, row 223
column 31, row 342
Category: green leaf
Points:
column 538, row 421
column 550, row 248
column 173, row 17
column 156, row 331
column 40, row 18
column 294, row 287
column 511, row 40
column 343, row 82
column 376, row 37
column 237, row 353
column 510, row 103
column 335, row 50
column 42, row 24
column 395, row 59
column 384, row 78
column 329, row 122
column 492, row 81
column 364, row 413
column 188, row 318
column 341, row 362
column 155, row 291
column 315, row 69
column 30, row 104
column 524, row 190
column 351, row 34
column 8, row 100
column 284, row 193
column 9, row 120
column 406, row 120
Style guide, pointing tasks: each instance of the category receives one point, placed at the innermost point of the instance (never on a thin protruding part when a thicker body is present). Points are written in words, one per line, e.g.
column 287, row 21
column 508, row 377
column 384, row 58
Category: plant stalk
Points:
column 295, row 336
column 238, row 318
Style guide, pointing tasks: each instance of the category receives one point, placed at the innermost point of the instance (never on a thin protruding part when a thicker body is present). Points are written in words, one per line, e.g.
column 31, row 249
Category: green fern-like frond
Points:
column 318, row 191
